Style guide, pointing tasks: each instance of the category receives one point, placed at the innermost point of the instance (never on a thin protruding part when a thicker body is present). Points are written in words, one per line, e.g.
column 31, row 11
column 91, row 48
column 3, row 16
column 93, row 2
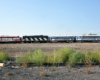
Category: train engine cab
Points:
column 62, row 38
column 10, row 39
column 88, row 38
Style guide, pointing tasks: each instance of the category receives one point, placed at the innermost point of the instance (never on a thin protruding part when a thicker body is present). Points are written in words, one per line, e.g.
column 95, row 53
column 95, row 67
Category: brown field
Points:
column 16, row 50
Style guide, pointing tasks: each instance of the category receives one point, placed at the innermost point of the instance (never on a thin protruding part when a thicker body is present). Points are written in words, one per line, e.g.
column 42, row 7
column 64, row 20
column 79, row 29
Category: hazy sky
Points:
column 49, row 17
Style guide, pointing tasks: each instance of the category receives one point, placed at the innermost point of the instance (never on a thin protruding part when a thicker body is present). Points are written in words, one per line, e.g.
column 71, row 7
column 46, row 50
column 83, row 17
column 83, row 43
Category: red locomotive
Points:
column 14, row 39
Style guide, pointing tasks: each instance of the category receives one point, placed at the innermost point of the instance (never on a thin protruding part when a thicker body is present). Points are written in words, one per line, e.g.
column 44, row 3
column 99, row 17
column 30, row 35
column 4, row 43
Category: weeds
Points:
column 24, row 64
column 51, row 69
column 17, row 72
column 94, row 55
column 88, row 71
column 43, row 73
column 89, row 49
column 54, row 58
column 4, row 48
column 8, row 73
column 88, row 59
column 65, row 52
column 76, row 57
column 76, row 48
column 4, row 56
column 37, row 57
column 88, row 62
column 60, row 56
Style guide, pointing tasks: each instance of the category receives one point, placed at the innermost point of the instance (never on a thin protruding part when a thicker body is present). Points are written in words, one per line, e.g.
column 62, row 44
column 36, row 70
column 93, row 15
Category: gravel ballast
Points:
column 58, row 73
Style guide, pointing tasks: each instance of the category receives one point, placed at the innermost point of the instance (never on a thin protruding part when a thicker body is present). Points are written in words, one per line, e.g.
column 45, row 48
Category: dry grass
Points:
column 51, row 69
column 25, row 65
column 88, row 64
column 4, row 48
column 88, row 61
column 17, row 72
column 11, row 47
column 9, row 74
column 43, row 73
column 76, row 48
column 99, row 58
column 88, row 71
column 88, row 49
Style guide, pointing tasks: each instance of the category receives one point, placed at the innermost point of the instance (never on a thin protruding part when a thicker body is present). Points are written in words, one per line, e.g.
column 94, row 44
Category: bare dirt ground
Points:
column 59, row 73
column 16, row 50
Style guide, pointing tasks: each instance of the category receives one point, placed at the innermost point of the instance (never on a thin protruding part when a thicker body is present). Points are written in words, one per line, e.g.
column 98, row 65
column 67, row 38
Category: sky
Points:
column 49, row 17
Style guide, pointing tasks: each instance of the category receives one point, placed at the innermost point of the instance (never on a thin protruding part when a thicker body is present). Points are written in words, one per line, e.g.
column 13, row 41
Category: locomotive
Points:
column 52, row 39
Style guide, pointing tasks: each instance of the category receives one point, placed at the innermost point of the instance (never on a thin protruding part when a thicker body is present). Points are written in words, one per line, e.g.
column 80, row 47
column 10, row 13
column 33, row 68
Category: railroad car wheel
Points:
column 97, row 41
column 92, row 41
column 67, row 41
column 71, row 41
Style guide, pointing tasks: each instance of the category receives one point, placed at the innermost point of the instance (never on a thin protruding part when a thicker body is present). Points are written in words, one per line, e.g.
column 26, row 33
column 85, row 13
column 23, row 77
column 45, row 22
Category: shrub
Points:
column 95, row 56
column 54, row 58
column 4, row 56
column 37, row 57
column 65, row 52
column 23, row 59
column 76, row 57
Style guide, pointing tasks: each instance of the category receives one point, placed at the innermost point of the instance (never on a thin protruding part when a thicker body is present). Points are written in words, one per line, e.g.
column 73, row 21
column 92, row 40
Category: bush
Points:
column 54, row 58
column 65, row 52
column 4, row 56
column 37, row 57
column 95, row 56
column 40, row 58
column 76, row 57
column 24, row 58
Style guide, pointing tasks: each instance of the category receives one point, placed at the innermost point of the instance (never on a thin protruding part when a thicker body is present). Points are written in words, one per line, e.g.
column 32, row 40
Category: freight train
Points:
column 48, row 39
